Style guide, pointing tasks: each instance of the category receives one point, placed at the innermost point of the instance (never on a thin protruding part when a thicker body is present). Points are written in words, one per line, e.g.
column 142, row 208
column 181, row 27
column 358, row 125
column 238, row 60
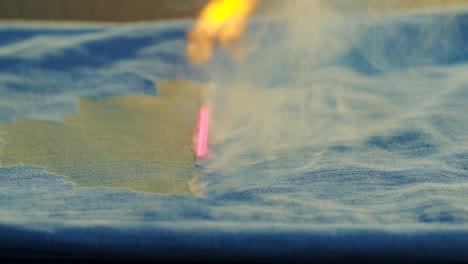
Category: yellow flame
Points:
column 221, row 22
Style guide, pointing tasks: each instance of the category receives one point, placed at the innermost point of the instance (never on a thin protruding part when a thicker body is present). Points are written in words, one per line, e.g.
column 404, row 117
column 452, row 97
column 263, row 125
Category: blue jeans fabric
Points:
column 386, row 174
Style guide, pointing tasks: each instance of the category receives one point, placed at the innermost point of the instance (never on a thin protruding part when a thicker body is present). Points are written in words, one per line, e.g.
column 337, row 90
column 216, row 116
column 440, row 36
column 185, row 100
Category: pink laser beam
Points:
column 202, row 138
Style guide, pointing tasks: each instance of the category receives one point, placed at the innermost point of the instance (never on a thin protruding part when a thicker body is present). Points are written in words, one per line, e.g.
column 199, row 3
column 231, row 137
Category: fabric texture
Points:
column 358, row 149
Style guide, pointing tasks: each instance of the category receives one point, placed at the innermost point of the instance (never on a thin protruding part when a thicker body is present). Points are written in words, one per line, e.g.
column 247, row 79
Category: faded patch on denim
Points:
column 139, row 142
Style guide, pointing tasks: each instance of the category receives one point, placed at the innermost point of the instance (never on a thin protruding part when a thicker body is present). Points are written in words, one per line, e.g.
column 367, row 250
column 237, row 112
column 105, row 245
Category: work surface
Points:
column 360, row 154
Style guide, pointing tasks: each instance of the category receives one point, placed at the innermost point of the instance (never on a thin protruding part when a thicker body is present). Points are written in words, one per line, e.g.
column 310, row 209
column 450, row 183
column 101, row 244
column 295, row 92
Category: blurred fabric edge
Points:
column 141, row 10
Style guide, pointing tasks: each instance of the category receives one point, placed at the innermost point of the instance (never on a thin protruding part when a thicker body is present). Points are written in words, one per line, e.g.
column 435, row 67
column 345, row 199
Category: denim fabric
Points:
column 367, row 144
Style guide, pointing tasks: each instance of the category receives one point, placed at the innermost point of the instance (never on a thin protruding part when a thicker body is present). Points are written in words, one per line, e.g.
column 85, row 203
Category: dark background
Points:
column 99, row 10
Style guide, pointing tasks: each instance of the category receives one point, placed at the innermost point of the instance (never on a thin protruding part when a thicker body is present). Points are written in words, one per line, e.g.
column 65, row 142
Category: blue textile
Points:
column 378, row 166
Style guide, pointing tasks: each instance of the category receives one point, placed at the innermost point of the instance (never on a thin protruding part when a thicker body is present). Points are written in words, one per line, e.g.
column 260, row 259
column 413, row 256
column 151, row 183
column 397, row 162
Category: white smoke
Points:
column 288, row 102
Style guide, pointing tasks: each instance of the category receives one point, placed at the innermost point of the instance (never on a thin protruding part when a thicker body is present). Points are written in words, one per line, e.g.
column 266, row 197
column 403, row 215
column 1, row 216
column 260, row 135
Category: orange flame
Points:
column 221, row 22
